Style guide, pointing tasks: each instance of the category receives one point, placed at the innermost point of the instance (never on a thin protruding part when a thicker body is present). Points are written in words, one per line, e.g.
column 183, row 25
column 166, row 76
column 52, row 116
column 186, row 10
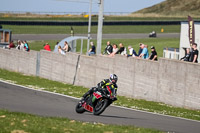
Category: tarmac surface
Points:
column 94, row 36
column 22, row 99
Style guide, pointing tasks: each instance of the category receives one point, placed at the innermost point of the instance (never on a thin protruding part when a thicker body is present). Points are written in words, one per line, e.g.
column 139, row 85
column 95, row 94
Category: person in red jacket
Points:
column 47, row 47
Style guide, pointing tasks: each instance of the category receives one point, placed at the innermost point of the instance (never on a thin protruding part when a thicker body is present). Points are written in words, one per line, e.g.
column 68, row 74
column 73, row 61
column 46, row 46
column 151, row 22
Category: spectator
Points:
column 153, row 55
column 47, row 47
column 115, row 49
column 26, row 46
column 18, row 44
column 22, row 46
column 131, row 52
column 194, row 54
column 60, row 50
column 187, row 55
column 11, row 45
column 122, row 49
column 56, row 46
column 145, row 53
column 108, row 49
column 140, row 50
column 66, row 47
column 92, row 50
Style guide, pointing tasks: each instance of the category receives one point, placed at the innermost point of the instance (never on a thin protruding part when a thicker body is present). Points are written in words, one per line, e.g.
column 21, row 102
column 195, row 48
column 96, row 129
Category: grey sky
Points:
column 74, row 5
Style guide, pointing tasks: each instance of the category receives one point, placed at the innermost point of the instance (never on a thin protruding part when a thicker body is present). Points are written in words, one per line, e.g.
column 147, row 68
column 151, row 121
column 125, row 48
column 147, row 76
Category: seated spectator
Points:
column 121, row 50
column 60, row 50
column 66, row 47
column 194, row 54
column 108, row 49
column 131, row 52
column 26, row 46
column 145, row 53
column 92, row 50
column 18, row 44
column 11, row 45
column 140, row 50
column 153, row 55
column 115, row 49
column 22, row 46
column 56, row 46
column 47, row 47
column 187, row 55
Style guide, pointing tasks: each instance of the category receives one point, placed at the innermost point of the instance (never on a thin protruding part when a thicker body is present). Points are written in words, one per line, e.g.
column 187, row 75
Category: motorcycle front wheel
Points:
column 100, row 106
column 79, row 108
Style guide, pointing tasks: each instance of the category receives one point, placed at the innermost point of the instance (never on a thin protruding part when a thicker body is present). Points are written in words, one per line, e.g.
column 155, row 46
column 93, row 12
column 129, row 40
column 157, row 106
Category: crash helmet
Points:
column 113, row 78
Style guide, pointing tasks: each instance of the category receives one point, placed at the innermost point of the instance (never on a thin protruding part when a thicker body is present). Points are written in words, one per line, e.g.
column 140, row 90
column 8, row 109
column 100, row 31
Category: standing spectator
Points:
column 115, row 49
column 60, row 50
column 26, row 46
column 108, row 49
column 11, row 45
column 187, row 55
column 47, row 47
column 131, row 52
column 153, row 55
column 66, row 47
column 194, row 54
column 92, row 50
column 145, row 53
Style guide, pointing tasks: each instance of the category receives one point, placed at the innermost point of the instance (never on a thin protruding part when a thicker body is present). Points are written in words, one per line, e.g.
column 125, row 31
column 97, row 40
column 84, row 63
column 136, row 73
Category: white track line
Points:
column 111, row 105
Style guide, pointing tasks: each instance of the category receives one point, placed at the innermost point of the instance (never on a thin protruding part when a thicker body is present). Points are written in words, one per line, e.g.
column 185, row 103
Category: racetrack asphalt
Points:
column 94, row 36
column 22, row 99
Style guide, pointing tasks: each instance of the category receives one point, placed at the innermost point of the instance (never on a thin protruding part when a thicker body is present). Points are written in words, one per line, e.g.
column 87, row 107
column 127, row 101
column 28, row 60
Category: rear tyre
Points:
column 79, row 108
column 100, row 106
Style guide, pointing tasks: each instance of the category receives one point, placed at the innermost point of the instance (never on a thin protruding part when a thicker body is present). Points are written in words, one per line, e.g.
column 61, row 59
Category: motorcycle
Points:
column 97, row 102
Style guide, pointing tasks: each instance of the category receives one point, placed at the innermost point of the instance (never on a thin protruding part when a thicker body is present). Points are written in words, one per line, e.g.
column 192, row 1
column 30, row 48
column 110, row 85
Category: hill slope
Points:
column 173, row 8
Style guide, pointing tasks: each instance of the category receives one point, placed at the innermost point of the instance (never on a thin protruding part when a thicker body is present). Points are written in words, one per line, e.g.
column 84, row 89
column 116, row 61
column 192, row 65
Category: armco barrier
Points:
column 169, row 81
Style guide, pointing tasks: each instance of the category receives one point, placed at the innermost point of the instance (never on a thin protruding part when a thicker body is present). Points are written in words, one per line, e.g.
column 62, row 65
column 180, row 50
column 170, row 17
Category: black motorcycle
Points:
column 97, row 102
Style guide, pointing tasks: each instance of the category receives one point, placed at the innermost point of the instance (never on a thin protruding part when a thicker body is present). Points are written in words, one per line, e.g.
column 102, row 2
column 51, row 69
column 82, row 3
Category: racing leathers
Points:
column 105, row 84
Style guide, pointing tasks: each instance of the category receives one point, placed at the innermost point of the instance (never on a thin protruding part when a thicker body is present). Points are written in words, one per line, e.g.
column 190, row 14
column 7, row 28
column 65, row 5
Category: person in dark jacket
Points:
column 110, row 83
column 108, row 49
column 153, row 55
column 187, row 55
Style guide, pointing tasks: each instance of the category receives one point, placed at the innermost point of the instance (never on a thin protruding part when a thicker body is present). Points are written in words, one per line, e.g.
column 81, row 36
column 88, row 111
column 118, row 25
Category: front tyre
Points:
column 79, row 108
column 100, row 106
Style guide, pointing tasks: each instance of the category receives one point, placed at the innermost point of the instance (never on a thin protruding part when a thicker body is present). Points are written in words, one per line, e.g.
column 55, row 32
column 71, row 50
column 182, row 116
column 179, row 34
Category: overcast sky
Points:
column 75, row 5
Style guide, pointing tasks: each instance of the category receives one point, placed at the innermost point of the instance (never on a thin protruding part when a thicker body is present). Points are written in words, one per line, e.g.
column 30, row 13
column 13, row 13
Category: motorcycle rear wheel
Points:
column 100, row 106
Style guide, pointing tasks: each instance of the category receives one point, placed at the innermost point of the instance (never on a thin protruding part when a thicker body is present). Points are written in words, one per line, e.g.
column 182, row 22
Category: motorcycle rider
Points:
column 111, row 83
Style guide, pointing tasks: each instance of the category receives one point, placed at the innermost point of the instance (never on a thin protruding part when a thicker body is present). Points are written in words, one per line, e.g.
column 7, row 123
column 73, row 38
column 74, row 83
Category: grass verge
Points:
column 77, row 91
column 12, row 122
column 22, row 29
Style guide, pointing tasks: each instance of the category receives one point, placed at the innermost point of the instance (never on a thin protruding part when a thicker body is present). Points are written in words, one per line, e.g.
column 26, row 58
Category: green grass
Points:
column 12, row 122
column 78, row 91
column 16, row 29
column 159, row 44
